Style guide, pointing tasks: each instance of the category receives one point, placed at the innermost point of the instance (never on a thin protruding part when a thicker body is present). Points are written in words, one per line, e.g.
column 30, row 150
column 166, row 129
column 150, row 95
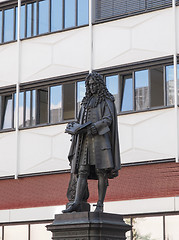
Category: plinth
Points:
column 88, row 225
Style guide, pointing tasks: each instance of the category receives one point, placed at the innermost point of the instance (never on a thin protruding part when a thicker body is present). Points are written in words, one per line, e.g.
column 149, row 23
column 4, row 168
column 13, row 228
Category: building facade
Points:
column 47, row 47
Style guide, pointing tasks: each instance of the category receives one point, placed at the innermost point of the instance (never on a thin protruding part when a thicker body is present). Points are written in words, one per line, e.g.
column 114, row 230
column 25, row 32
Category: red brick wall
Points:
column 135, row 182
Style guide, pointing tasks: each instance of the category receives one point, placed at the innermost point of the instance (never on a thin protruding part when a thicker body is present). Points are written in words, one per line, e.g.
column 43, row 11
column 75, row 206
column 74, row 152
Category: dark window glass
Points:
column 34, row 19
column 80, row 93
column 42, row 111
column 29, row 20
column 69, row 101
column 43, row 16
column 9, row 25
column 126, row 93
column 156, row 86
column 0, row 26
column 22, row 24
column 112, row 83
column 70, row 16
column 141, row 90
column 55, row 104
column 33, row 107
column 28, row 108
column 7, row 112
column 56, row 15
column 82, row 12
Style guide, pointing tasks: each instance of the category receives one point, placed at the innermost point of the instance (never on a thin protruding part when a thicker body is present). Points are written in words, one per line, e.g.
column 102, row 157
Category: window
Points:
column 171, row 226
column 70, row 17
column 29, row 20
column 105, row 9
column 141, row 90
column 69, row 101
column 80, row 93
column 169, row 70
column 0, row 26
column 43, row 13
column 22, row 23
column 56, row 15
column 55, row 104
column 157, row 86
column 19, row 231
column 83, row 15
column 39, row 231
column 126, row 93
column 7, row 111
column 8, row 25
column 42, row 106
column 112, row 83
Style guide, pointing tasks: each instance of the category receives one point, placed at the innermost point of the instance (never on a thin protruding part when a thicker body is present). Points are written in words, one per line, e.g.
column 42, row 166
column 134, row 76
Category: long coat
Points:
column 106, row 144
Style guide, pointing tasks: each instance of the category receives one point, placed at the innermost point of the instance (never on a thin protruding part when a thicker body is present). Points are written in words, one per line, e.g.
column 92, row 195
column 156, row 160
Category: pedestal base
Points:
column 88, row 225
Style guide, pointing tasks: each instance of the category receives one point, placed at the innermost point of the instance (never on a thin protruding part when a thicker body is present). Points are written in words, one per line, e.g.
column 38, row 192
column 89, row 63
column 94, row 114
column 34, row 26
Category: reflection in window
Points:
column 170, row 84
column 33, row 108
column 0, row 26
column 42, row 111
column 80, row 93
column 156, row 86
column 56, row 15
column 82, row 12
column 70, row 16
column 27, row 108
column 22, row 24
column 8, row 25
column 21, row 109
column 141, row 90
column 7, row 112
column 69, row 101
column 171, row 227
column 29, row 20
column 126, row 93
column 148, row 228
column 19, row 231
column 43, row 16
column 112, row 85
column 55, row 104
column 39, row 231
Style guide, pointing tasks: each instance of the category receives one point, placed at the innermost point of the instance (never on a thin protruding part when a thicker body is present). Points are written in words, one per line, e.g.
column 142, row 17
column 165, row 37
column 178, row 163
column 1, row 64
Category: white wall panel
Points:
column 147, row 136
column 132, row 39
column 143, row 137
column 8, row 153
column 44, row 149
column 9, row 64
column 55, row 55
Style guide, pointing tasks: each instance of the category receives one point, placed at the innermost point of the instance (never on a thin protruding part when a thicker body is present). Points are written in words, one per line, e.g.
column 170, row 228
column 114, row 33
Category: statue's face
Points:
column 93, row 86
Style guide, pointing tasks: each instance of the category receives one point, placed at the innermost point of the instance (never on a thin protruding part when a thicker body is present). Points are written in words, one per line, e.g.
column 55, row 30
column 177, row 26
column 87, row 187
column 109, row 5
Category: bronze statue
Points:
column 94, row 152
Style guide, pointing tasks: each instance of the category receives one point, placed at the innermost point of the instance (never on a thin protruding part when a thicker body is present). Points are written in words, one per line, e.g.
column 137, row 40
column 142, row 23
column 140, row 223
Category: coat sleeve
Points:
column 103, row 125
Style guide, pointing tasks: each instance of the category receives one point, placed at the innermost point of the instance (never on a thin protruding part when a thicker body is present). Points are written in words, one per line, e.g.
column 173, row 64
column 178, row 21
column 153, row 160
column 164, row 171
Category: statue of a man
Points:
column 94, row 153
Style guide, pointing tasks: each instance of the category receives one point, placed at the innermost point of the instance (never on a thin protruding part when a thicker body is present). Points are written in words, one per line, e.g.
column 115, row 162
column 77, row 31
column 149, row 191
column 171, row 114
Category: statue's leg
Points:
column 102, row 187
column 80, row 190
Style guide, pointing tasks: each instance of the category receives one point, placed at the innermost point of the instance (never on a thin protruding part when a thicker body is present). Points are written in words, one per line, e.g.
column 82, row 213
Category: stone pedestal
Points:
column 88, row 225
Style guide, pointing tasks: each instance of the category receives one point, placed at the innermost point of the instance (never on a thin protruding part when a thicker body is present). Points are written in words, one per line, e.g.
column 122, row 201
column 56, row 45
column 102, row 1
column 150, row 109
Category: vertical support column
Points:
column 17, row 90
column 175, row 77
column 91, row 35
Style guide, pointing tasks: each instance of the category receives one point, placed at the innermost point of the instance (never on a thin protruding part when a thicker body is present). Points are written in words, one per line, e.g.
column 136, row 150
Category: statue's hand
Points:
column 93, row 129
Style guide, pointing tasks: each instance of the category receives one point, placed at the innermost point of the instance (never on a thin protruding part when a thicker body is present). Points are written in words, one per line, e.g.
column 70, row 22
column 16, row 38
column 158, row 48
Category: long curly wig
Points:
column 102, row 91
